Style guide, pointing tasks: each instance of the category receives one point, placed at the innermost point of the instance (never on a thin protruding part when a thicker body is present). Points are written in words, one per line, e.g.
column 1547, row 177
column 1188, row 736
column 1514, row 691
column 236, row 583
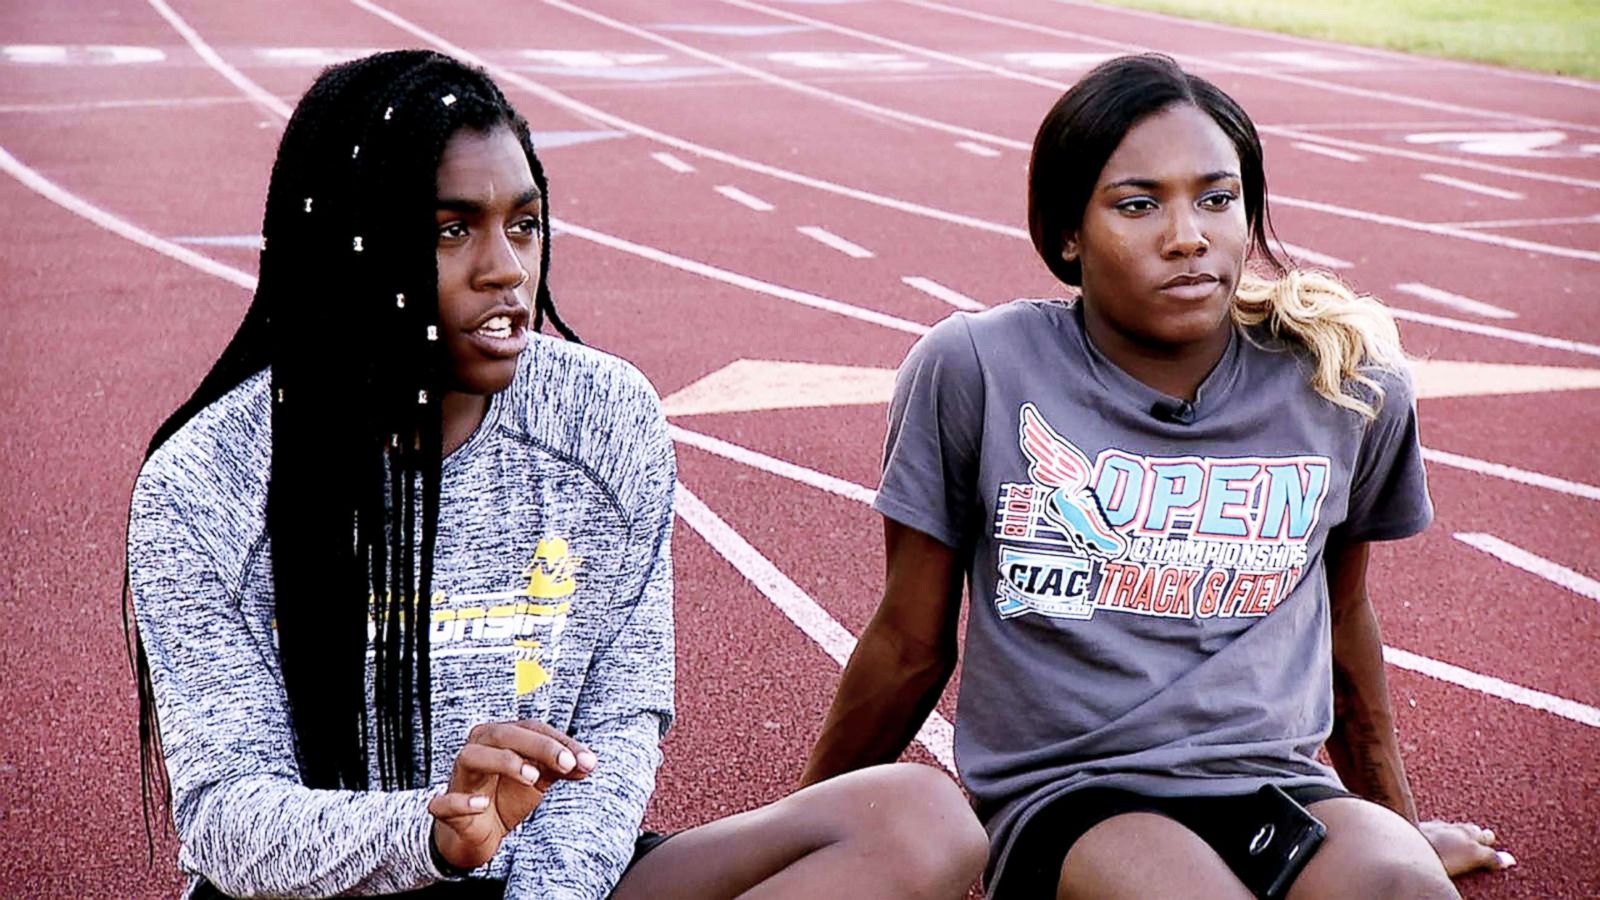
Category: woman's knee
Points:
column 918, row 817
column 1400, row 879
column 1371, row 852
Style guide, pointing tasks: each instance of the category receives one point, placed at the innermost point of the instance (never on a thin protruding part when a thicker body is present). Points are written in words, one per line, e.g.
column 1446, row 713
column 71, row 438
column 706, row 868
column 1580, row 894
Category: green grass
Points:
column 1561, row 36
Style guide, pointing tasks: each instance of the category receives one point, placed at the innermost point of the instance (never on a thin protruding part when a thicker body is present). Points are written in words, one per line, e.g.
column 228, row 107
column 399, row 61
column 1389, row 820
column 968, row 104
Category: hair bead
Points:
column 280, row 395
column 358, row 243
column 355, row 151
column 448, row 99
column 422, row 398
column 433, row 333
column 400, row 301
column 308, row 204
column 388, row 114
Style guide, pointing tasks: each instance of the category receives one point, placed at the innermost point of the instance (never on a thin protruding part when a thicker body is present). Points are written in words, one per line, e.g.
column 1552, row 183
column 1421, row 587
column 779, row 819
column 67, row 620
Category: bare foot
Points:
column 1464, row 847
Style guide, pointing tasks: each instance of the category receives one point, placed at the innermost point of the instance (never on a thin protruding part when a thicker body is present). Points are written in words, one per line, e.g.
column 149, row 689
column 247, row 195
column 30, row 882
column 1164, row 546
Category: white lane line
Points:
column 508, row 76
column 671, row 162
column 977, row 149
column 779, row 80
column 1494, row 687
column 1454, row 301
column 75, row 204
column 1334, row 152
column 1495, row 331
column 743, row 199
column 1511, row 473
column 100, row 105
column 255, row 91
column 1315, row 258
column 1214, row 63
column 827, row 238
column 1486, row 684
column 1440, row 230
column 823, row 629
column 1552, row 572
column 744, row 281
column 249, row 241
column 1528, row 223
column 758, row 460
column 1303, row 133
column 1472, row 186
column 935, row 289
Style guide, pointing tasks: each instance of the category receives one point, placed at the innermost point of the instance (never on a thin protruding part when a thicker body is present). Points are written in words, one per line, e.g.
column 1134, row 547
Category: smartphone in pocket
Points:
column 1270, row 842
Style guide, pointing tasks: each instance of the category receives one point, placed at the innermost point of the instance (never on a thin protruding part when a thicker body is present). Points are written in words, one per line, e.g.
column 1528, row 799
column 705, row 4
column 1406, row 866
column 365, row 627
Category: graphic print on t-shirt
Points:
column 1177, row 537
column 525, row 622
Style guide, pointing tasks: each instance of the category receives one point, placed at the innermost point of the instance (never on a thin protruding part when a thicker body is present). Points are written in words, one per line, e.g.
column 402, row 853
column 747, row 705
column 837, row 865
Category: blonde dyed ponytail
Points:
column 1345, row 332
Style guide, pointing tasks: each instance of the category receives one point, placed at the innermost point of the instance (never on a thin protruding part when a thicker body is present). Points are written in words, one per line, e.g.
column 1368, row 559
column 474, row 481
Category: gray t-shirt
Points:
column 553, row 601
column 1149, row 609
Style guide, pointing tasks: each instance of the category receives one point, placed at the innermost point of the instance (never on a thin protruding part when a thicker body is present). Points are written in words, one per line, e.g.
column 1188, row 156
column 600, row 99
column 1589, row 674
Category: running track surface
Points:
column 898, row 127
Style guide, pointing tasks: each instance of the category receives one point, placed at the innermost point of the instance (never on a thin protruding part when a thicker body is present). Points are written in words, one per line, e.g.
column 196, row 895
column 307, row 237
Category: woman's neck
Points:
column 1176, row 370
column 462, row 414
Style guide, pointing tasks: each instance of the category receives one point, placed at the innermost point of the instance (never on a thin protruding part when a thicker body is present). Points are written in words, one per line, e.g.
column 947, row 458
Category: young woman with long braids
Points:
column 402, row 570
column 1160, row 498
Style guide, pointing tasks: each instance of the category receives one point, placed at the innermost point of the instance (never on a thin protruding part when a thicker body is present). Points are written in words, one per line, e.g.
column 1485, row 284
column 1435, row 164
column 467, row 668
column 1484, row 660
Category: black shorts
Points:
column 1033, row 867
column 466, row 888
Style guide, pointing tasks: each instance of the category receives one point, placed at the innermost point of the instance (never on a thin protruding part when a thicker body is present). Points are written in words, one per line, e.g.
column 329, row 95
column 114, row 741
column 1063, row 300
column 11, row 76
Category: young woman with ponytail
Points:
column 1159, row 496
column 402, row 566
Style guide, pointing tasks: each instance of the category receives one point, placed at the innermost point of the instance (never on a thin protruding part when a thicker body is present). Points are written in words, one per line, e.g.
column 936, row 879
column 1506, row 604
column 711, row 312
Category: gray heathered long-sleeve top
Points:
column 553, row 601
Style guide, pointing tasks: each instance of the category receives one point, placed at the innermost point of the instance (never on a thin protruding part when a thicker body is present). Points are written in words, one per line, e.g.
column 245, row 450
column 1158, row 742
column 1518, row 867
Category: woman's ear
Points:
column 1069, row 248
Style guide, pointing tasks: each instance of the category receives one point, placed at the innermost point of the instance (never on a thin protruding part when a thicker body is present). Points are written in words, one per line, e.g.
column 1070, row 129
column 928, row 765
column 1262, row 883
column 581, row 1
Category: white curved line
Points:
column 215, row 61
column 75, row 204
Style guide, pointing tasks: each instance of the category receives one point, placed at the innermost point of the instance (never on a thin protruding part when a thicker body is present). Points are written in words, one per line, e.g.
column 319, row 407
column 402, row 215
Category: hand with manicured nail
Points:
column 1464, row 847
column 500, row 776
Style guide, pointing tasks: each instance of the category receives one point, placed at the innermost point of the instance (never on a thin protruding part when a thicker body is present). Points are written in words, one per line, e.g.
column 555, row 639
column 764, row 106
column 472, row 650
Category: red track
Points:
column 103, row 337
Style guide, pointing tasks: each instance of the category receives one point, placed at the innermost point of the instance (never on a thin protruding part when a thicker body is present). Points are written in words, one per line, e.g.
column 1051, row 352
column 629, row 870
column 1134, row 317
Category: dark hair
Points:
column 349, row 237
column 1087, row 124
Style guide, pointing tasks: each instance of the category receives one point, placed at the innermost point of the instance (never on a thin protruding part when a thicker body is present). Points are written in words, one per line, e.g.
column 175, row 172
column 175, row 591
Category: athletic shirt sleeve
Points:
column 930, row 458
column 244, row 820
column 1389, row 487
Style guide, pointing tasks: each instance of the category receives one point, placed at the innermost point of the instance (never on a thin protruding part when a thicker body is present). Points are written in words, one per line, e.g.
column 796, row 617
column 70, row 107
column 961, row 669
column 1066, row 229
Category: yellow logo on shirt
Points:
column 551, row 569
column 529, row 675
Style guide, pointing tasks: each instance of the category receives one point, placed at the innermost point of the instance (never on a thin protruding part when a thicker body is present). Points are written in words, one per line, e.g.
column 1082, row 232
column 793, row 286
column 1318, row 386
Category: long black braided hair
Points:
column 348, row 291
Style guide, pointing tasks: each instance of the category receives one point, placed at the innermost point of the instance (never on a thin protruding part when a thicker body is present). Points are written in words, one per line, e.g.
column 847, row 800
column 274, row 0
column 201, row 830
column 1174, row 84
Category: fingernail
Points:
column 565, row 762
column 478, row 802
column 1488, row 835
column 1506, row 859
column 588, row 760
column 530, row 773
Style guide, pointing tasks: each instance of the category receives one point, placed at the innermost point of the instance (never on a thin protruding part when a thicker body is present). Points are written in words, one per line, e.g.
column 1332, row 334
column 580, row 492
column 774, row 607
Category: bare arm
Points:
column 1363, row 745
column 901, row 663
